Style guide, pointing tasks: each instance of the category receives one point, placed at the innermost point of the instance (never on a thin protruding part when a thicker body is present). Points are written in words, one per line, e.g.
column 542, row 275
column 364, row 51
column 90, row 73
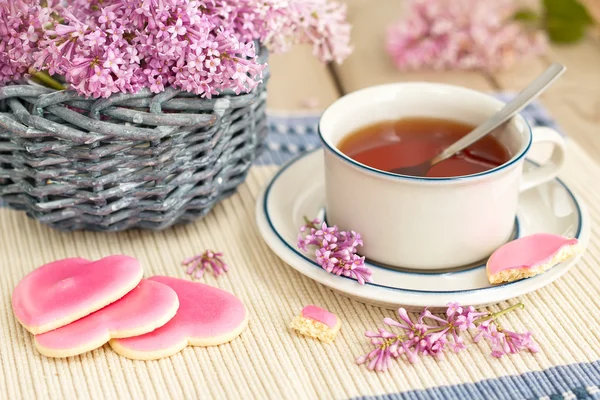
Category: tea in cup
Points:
column 463, row 209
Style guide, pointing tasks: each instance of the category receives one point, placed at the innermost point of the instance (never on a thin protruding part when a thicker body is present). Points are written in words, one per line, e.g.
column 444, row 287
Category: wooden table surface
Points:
column 574, row 101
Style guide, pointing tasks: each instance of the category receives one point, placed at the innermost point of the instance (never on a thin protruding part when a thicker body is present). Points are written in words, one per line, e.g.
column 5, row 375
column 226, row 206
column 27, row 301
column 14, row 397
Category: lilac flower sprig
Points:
column 201, row 262
column 335, row 250
column 432, row 335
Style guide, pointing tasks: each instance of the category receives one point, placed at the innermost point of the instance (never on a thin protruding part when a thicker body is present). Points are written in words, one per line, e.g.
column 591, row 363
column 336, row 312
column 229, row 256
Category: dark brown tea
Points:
column 409, row 141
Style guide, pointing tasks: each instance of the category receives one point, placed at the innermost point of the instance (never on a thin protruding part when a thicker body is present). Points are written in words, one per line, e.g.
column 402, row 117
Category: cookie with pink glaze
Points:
column 147, row 307
column 317, row 323
column 64, row 291
column 529, row 256
column 207, row 316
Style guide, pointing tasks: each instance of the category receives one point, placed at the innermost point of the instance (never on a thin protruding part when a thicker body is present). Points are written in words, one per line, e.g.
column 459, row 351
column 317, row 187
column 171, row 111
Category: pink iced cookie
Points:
column 321, row 315
column 147, row 307
column 207, row 316
column 529, row 256
column 317, row 323
column 63, row 291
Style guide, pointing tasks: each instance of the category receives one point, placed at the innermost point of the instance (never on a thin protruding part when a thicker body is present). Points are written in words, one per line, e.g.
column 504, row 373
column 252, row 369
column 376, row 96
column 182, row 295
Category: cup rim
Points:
column 332, row 148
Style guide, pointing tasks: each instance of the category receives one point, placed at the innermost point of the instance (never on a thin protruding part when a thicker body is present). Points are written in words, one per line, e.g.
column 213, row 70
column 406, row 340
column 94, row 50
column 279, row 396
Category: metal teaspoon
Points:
column 526, row 96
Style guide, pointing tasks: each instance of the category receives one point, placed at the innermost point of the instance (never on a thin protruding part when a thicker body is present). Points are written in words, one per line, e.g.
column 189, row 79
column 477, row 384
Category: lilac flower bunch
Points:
column 103, row 47
column 432, row 335
column 22, row 24
column 198, row 264
column 462, row 34
column 335, row 250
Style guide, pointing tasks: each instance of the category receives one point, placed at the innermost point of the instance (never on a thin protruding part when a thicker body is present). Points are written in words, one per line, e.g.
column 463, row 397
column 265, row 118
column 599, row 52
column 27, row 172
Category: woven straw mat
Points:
column 267, row 360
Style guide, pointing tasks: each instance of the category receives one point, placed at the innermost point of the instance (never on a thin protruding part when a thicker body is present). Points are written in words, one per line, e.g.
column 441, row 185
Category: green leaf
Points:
column 570, row 10
column 561, row 32
column 526, row 15
column 565, row 34
column 566, row 20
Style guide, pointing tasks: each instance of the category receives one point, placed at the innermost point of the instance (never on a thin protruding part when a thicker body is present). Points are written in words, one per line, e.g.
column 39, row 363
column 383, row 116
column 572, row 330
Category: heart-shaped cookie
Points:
column 64, row 291
column 147, row 307
column 529, row 256
column 207, row 316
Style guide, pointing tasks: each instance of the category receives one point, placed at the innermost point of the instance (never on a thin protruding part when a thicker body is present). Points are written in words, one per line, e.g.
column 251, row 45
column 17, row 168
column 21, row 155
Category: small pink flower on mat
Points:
column 336, row 250
column 504, row 341
column 199, row 263
column 432, row 335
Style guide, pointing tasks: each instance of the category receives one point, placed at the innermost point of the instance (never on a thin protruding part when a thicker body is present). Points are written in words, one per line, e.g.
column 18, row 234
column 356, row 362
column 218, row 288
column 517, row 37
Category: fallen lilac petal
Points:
column 411, row 355
column 190, row 269
column 392, row 322
column 387, row 335
column 497, row 353
column 189, row 260
column 434, row 337
column 403, row 314
column 457, row 342
column 374, row 360
column 361, row 360
column 427, row 314
column 453, row 308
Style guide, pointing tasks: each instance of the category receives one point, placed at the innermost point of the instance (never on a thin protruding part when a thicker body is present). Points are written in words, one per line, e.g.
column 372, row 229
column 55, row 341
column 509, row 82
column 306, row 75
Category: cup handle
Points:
column 549, row 170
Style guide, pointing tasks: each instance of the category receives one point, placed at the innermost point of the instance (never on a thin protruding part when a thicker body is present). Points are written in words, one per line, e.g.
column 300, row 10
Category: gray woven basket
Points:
column 130, row 161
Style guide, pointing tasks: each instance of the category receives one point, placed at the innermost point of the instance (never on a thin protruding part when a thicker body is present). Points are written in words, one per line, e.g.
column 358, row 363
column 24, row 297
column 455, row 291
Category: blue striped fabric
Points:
column 570, row 382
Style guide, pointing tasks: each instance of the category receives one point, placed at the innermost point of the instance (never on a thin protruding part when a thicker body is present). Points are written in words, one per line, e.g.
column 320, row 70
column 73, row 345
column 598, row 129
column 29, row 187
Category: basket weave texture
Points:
column 139, row 160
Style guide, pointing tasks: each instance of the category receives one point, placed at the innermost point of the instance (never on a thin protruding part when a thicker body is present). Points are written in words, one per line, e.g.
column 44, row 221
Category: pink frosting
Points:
column 71, row 287
column 146, row 306
column 319, row 314
column 204, row 312
column 527, row 252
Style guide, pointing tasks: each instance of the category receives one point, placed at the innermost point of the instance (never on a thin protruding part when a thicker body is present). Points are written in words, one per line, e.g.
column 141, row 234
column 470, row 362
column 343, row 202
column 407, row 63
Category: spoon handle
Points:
column 525, row 97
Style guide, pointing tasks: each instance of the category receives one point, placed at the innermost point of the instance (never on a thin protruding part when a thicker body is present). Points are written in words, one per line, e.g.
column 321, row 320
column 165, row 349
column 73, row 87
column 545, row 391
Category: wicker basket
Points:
column 130, row 161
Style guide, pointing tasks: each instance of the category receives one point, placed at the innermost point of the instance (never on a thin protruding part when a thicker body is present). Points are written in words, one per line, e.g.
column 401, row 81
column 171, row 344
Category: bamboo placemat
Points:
column 269, row 361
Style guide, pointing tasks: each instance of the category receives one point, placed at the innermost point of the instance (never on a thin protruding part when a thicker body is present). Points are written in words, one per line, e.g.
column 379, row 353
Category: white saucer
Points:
column 298, row 190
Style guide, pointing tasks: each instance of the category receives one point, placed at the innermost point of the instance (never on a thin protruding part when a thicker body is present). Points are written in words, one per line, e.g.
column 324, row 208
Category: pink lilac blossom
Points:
column 104, row 47
column 21, row 26
column 198, row 264
column 335, row 250
column 387, row 347
column 432, row 335
column 504, row 341
column 316, row 22
column 278, row 24
column 461, row 34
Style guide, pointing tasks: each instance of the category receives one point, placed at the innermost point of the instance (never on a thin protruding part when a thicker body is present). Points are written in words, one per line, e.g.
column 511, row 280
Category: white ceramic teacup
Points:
column 428, row 223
